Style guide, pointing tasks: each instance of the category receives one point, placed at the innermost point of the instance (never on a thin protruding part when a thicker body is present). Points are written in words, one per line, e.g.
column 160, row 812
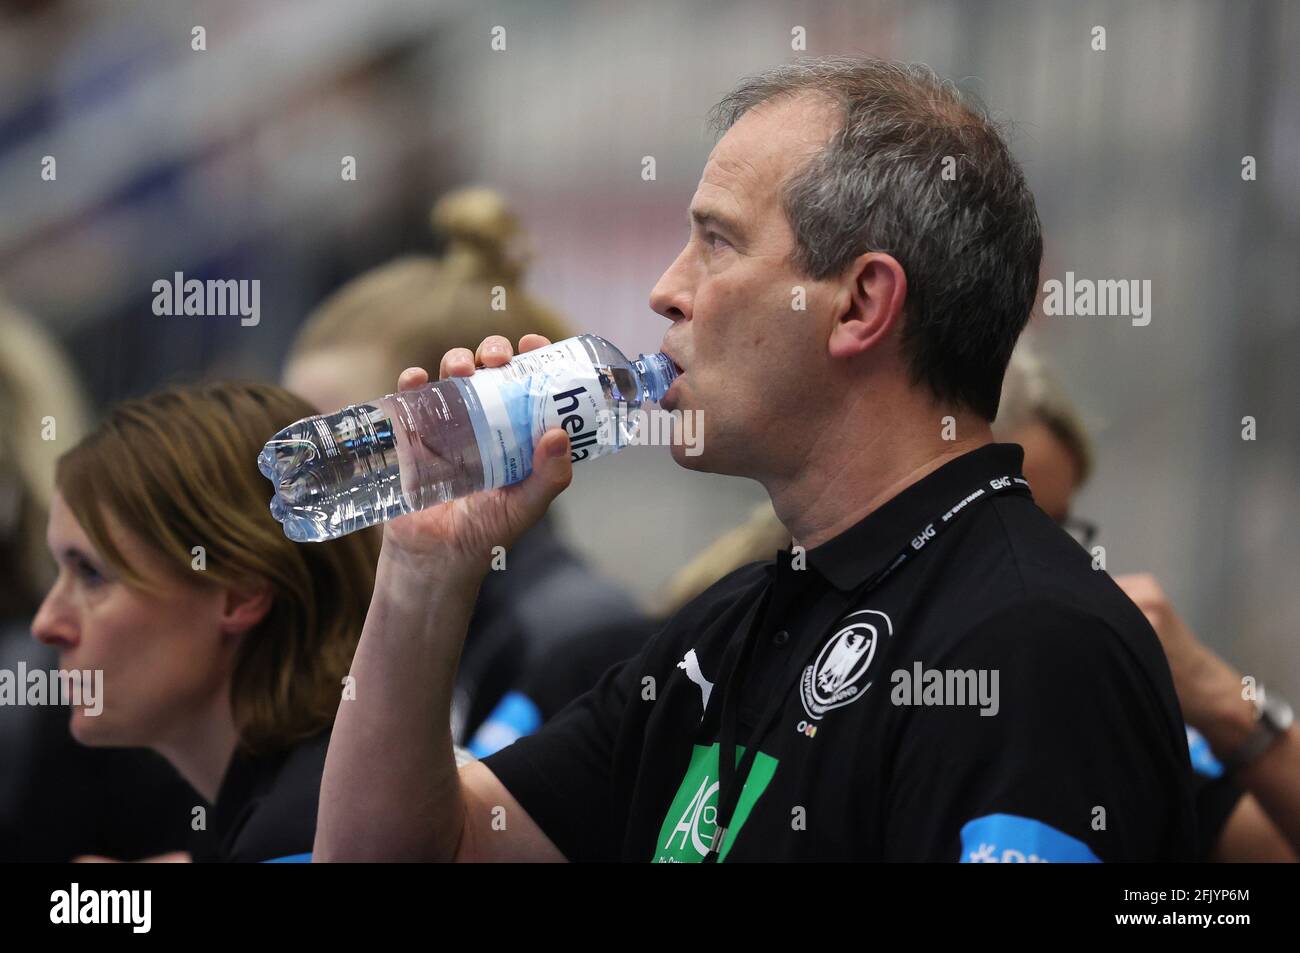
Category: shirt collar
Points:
column 850, row 558
column 244, row 776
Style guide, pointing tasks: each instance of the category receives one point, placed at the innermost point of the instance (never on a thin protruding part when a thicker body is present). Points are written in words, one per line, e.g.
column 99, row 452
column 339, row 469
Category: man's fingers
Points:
column 458, row 362
column 494, row 351
column 412, row 378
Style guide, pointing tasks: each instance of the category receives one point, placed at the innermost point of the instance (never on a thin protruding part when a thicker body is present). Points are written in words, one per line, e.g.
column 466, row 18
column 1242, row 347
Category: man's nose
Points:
column 54, row 625
column 671, row 295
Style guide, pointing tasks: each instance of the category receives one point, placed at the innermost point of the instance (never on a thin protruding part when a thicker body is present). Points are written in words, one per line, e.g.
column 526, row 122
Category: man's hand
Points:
column 458, row 536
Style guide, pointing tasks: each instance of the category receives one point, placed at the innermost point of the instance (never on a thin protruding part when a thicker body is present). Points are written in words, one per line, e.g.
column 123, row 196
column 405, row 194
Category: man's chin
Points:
column 680, row 457
column 698, row 459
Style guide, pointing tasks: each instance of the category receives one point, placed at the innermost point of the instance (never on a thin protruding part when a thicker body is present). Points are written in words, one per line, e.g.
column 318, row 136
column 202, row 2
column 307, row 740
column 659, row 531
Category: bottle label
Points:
column 553, row 386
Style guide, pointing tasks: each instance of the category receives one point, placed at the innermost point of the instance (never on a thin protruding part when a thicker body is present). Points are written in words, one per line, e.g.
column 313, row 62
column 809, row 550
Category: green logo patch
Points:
column 693, row 816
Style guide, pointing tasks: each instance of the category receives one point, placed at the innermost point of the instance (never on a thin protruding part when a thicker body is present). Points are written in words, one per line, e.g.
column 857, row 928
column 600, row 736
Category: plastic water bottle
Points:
column 337, row 473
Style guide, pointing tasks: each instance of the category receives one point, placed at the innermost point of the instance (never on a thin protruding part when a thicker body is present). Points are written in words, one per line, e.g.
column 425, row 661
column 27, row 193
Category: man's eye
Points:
column 716, row 241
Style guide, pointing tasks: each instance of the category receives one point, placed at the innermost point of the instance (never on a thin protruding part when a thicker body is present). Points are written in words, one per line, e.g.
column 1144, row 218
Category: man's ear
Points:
column 244, row 606
column 870, row 304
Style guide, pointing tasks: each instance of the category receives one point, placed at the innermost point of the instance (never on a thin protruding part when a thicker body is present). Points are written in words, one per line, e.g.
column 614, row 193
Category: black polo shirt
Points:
column 266, row 807
column 994, row 699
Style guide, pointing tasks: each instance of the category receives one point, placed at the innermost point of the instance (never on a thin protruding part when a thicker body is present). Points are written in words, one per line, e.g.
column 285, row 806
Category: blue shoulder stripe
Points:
column 1009, row 839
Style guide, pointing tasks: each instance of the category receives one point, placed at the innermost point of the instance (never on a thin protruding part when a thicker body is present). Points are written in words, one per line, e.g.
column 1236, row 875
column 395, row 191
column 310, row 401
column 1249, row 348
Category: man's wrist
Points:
column 404, row 577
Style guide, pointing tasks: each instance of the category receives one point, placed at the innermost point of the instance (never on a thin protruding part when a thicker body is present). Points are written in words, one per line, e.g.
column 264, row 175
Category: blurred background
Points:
column 225, row 163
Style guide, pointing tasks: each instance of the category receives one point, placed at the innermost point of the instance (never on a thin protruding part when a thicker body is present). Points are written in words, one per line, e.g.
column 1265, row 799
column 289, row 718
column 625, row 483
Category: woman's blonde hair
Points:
column 419, row 307
column 178, row 469
column 1030, row 394
column 43, row 408
column 761, row 536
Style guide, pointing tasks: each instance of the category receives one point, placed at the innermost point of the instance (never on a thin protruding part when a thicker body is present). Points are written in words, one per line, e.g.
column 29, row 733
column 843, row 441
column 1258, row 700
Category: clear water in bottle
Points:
column 337, row 473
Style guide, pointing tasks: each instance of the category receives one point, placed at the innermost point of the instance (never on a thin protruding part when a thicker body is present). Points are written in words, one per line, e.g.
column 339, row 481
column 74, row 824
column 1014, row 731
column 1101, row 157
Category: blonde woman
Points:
column 41, row 399
column 222, row 645
column 418, row 307
column 545, row 626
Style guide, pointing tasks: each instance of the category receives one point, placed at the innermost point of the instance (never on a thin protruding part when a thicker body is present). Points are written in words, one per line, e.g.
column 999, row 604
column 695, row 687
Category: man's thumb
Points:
column 552, row 469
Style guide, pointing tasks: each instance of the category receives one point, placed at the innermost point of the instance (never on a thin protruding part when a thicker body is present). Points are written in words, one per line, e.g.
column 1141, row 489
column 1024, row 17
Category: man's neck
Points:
column 844, row 480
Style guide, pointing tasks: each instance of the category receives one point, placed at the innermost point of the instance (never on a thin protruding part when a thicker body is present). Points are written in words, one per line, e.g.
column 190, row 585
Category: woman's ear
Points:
column 244, row 607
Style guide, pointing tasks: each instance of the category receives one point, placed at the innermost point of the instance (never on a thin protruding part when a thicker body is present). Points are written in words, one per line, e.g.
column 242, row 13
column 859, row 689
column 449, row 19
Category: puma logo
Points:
column 690, row 664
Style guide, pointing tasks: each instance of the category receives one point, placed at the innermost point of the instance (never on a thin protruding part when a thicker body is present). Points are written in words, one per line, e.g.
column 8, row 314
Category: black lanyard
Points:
column 732, row 776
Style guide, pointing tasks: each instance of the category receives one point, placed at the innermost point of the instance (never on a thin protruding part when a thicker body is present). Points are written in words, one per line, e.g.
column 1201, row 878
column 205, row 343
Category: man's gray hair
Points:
column 919, row 171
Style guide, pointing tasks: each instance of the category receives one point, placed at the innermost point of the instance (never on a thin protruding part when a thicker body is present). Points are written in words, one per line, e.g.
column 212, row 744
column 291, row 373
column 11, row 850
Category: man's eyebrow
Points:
column 706, row 216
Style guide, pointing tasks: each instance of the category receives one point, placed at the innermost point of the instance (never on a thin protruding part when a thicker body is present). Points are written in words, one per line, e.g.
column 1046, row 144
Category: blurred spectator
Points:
column 57, row 798
column 43, row 402
column 1223, row 724
column 545, row 626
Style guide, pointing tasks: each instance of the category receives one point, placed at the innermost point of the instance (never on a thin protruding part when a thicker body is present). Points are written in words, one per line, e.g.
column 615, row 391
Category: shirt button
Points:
column 781, row 638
